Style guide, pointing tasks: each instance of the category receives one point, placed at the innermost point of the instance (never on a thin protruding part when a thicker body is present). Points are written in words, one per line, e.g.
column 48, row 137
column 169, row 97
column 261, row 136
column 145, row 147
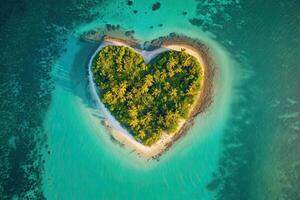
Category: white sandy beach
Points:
column 117, row 131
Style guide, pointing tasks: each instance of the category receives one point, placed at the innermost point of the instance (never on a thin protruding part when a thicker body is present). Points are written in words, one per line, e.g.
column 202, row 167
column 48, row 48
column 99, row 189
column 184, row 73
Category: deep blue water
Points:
column 252, row 154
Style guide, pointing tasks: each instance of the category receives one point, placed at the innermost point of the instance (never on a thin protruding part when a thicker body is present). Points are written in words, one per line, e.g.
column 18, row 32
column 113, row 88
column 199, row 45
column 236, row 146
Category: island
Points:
column 149, row 95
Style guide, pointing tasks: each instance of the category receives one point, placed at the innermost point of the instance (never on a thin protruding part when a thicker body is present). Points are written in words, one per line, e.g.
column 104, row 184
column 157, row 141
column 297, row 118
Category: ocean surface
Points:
column 52, row 142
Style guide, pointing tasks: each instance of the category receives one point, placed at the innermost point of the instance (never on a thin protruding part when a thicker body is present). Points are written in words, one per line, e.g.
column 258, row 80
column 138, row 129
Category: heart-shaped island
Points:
column 154, row 95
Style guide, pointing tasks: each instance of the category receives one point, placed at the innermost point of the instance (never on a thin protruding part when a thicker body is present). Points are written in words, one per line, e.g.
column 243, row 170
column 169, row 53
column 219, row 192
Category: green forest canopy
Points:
column 147, row 98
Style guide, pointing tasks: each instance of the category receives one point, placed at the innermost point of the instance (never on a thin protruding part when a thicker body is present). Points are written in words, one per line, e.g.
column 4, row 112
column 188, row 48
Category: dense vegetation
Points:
column 147, row 98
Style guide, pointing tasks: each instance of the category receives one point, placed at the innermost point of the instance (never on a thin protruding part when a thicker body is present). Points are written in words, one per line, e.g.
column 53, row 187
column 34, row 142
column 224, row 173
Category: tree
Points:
column 133, row 112
column 144, row 88
column 141, row 134
column 148, row 117
column 171, row 120
column 156, row 92
column 149, row 80
column 173, row 93
column 134, row 122
column 122, row 89
column 109, row 98
column 172, row 62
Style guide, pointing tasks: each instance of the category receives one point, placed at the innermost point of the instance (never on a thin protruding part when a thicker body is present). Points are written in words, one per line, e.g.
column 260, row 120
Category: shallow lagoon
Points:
column 183, row 172
column 84, row 136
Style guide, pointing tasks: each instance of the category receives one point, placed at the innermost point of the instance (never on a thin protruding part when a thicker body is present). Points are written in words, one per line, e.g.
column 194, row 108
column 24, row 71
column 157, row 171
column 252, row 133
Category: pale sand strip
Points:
column 117, row 131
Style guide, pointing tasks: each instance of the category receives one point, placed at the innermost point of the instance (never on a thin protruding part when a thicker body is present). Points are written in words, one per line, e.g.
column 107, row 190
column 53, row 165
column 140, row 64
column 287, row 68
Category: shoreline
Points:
column 149, row 51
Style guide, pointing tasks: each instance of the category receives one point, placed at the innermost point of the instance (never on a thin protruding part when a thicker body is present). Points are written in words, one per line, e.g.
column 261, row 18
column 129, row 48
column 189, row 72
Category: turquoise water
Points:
column 245, row 146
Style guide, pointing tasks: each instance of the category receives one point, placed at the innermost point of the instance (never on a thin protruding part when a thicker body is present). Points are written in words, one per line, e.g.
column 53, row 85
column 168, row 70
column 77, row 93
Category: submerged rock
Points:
column 129, row 33
column 156, row 6
column 196, row 22
column 111, row 27
column 213, row 185
column 129, row 2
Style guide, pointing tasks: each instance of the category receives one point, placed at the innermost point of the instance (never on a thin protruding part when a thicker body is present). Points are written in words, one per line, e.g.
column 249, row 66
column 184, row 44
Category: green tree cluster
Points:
column 147, row 99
